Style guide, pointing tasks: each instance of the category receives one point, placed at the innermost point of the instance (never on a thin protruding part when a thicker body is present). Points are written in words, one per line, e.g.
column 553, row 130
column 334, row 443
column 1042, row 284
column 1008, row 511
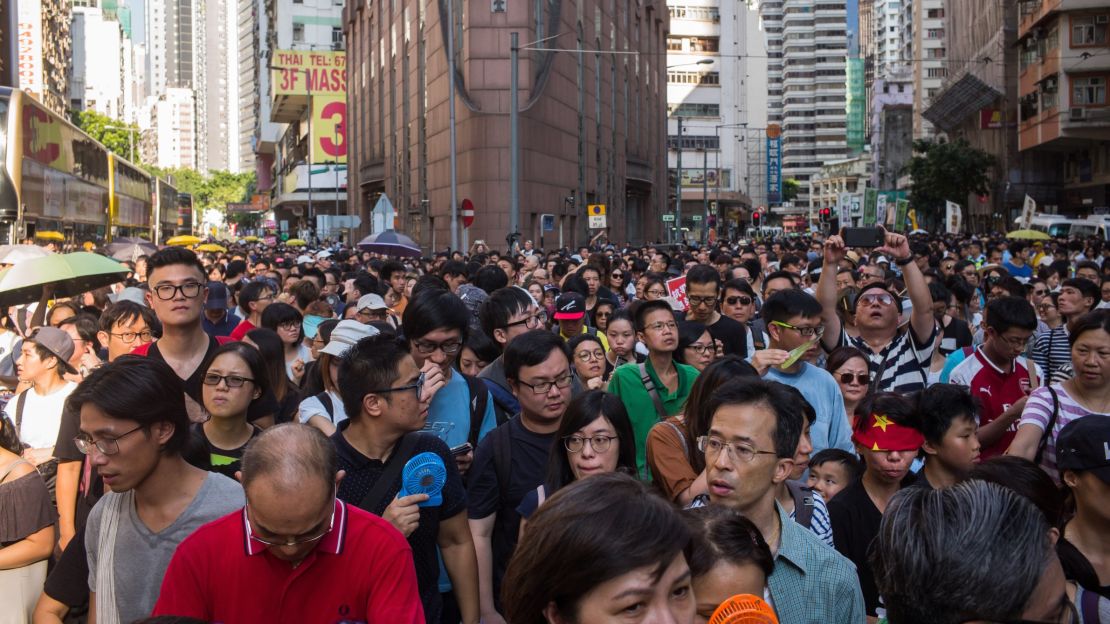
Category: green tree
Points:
column 790, row 188
column 117, row 136
column 946, row 171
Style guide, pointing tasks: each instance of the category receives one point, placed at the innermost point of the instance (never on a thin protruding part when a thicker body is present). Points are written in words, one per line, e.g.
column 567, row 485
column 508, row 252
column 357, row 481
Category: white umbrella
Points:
column 14, row 254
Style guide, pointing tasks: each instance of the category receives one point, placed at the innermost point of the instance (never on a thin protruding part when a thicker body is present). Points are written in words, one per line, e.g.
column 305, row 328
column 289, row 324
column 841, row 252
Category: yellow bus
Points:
column 165, row 210
column 131, row 202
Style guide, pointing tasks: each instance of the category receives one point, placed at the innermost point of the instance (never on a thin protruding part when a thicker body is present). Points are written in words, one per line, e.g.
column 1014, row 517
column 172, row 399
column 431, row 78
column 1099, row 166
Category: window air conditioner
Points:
column 1077, row 113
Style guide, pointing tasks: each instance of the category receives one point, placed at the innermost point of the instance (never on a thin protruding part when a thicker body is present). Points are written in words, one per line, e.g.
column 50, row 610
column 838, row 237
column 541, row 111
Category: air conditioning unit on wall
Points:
column 1077, row 113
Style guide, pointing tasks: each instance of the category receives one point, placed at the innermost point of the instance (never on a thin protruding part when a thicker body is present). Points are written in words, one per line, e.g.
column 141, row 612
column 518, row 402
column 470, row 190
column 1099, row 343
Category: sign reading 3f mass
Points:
column 297, row 72
column 774, row 164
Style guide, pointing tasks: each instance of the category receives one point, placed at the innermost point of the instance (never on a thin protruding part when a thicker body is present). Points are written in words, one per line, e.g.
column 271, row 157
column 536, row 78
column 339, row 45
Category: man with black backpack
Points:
column 436, row 323
column 387, row 400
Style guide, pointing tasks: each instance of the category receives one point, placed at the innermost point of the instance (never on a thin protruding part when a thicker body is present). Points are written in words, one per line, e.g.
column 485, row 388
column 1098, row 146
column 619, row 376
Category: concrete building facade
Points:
column 809, row 93
column 96, row 79
column 592, row 124
column 37, row 49
column 1062, row 106
column 170, row 140
column 891, row 127
column 930, row 66
column 850, row 175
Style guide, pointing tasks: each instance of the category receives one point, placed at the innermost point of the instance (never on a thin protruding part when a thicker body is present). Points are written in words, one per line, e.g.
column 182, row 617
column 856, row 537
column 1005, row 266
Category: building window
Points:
column 684, row 77
column 298, row 33
column 336, row 35
column 1089, row 30
column 694, row 142
column 1088, row 91
column 687, row 109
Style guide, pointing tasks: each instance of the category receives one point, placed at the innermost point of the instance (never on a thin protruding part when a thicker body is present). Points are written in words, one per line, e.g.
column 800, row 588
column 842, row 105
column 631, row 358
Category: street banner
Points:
column 954, row 218
column 843, row 208
column 29, row 46
column 676, row 289
column 774, row 164
column 870, row 206
column 1027, row 211
column 304, row 72
column 880, row 209
column 901, row 210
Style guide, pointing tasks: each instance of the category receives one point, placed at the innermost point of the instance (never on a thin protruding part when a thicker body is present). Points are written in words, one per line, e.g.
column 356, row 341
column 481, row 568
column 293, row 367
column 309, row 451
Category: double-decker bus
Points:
column 165, row 210
column 130, row 208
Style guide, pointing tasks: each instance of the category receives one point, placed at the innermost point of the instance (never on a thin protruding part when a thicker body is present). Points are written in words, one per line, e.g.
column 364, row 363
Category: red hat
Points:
column 880, row 433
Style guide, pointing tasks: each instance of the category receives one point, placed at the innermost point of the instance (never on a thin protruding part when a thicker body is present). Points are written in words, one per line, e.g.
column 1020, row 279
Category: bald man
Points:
column 294, row 553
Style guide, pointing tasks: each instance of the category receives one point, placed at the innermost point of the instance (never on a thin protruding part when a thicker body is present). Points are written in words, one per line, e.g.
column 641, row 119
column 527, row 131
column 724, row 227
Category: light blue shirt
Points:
column 831, row 429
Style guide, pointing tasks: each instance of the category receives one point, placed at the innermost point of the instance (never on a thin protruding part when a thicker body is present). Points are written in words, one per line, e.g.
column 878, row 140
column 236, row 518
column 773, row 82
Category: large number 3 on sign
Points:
column 336, row 111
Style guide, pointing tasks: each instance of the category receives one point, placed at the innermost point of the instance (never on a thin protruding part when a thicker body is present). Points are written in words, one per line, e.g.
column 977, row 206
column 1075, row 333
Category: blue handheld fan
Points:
column 424, row 474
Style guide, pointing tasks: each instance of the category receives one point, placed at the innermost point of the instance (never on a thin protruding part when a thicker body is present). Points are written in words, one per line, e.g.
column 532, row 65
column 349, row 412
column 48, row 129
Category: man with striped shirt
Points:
column 899, row 360
column 1051, row 351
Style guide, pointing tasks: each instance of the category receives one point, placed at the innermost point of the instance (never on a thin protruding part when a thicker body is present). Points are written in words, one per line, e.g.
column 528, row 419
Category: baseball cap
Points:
column 217, row 296
column 131, row 293
column 57, row 342
column 372, row 301
column 345, row 335
column 304, row 260
column 570, row 306
column 1084, row 444
column 323, row 253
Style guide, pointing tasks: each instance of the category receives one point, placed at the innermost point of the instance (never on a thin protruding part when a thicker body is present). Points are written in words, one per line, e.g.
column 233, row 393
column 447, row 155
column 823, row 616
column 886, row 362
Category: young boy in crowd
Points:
column 832, row 470
column 948, row 416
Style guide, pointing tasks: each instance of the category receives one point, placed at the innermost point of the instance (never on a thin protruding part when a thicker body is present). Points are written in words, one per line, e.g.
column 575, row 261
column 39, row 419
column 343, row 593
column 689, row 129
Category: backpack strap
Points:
column 373, row 499
column 479, row 399
column 1048, row 428
column 649, row 385
column 681, row 436
column 19, row 402
column 325, row 399
column 803, row 502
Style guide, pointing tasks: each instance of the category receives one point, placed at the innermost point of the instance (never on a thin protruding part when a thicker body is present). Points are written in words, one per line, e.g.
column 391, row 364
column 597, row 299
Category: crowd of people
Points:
column 913, row 433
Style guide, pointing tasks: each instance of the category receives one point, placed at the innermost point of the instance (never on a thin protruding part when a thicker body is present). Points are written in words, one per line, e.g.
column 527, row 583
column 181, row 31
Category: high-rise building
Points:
column 170, row 141
column 807, row 88
column 96, row 79
column 38, row 49
column 929, row 66
column 220, row 71
column 1062, row 109
column 249, row 66
column 716, row 86
column 891, row 126
column 591, row 127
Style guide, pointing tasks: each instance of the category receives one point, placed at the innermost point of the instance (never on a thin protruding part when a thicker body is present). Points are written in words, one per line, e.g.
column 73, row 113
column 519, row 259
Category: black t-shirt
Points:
column 732, row 335
column 955, row 335
column 89, row 485
column 1078, row 568
column 855, row 524
column 221, row 460
column 68, row 582
column 194, row 385
column 363, row 473
column 526, row 466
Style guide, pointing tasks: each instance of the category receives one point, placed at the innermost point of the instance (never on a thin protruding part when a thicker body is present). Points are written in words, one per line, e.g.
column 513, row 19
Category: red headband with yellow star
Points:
column 880, row 433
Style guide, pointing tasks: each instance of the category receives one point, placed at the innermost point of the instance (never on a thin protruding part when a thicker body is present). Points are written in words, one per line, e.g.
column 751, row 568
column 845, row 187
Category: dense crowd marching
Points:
column 913, row 433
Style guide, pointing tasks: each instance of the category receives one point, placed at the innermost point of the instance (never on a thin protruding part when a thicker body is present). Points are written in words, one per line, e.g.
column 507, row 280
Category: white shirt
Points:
column 312, row 406
column 42, row 415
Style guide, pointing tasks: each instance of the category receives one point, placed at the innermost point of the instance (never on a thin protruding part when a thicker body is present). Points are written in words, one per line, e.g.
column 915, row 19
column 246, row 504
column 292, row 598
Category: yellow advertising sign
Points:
column 329, row 129
column 302, row 72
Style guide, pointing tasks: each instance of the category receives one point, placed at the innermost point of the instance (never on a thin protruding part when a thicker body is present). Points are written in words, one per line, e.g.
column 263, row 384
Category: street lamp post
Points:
column 130, row 139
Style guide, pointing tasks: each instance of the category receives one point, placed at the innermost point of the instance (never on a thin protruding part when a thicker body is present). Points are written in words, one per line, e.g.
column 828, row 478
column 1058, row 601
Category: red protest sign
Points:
column 676, row 289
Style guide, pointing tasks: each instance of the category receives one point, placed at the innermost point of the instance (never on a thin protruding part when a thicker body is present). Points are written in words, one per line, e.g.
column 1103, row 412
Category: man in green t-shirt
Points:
column 658, row 388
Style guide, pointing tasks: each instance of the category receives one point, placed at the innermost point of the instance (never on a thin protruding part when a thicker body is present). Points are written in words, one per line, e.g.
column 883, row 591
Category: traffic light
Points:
column 757, row 218
column 826, row 215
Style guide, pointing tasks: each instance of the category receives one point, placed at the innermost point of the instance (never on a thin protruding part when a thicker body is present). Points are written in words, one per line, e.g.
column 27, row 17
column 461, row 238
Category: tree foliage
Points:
column 946, row 171
column 117, row 136
column 790, row 189
column 213, row 191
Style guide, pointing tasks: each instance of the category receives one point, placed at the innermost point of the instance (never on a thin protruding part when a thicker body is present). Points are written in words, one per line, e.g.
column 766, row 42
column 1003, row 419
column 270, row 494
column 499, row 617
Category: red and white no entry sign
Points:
column 467, row 213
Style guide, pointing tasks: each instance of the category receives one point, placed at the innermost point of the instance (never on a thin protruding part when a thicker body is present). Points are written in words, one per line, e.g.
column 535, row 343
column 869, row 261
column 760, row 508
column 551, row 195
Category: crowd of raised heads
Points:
column 787, row 430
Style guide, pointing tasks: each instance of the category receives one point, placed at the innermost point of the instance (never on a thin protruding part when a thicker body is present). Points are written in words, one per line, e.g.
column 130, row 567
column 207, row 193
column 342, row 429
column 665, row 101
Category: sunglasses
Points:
column 741, row 299
column 862, row 379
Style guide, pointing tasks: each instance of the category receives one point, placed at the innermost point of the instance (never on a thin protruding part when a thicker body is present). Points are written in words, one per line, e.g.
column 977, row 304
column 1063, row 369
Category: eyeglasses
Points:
column 1017, row 343
column 881, row 298
column 451, row 347
column 294, row 541
column 232, row 381
column 290, row 326
column 616, row 275
column 106, row 446
column 1046, row 306
column 1040, row 293
column 599, row 443
column 658, row 327
column 739, row 299
column 657, row 293
column 418, row 385
column 372, row 314
column 696, row 301
column 543, row 387
column 702, row 349
column 129, row 337
column 807, row 332
column 862, row 379
column 531, row 322
column 586, row 356
column 167, row 292
column 712, row 447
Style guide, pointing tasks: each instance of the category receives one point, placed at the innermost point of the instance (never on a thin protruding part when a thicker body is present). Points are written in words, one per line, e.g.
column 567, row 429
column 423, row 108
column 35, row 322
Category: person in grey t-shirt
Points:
column 134, row 426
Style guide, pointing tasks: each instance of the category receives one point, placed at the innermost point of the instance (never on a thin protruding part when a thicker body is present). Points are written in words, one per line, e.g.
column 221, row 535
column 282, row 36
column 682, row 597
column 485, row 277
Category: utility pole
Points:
column 451, row 108
column 678, row 184
column 514, row 135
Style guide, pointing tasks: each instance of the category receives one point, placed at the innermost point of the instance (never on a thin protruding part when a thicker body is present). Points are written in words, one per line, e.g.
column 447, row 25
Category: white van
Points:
column 1064, row 227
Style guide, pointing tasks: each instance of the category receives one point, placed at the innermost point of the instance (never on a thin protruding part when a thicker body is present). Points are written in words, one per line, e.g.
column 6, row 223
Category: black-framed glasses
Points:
column 862, row 379
column 294, row 541
column 417, row 385
column 129, row 337
column 290, row 325
column 543, row 387
column 599, row 443
column 106, row 446
column 168, row 292
column 805, row 332
column 232, row 381
column 451, row 347
column 696, row 301
column 702, row 349
column 738, row 299
column 533, row 321
column 712, row 447
column 656, row 293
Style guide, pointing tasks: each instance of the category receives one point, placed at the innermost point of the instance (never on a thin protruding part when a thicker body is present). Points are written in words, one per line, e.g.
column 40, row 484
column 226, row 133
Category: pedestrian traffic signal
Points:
column 757, row 218
column 826, row 215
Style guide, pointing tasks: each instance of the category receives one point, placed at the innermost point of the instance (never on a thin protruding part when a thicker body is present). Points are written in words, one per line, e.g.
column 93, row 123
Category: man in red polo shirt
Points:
column 294, row 553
